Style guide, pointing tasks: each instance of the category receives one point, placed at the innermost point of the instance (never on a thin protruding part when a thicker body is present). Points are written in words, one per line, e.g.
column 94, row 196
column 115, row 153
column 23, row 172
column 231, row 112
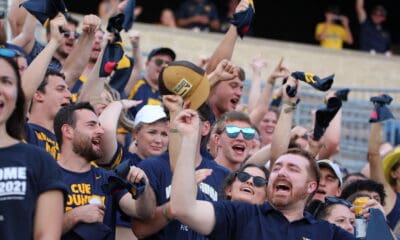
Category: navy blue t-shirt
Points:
column 394, row 215
column 87, row 185
column 373, row 38
column 159, row 174
column 26, row 171
column 237, row 220
column 43, row 138
column 143, row 91
column 37, row 48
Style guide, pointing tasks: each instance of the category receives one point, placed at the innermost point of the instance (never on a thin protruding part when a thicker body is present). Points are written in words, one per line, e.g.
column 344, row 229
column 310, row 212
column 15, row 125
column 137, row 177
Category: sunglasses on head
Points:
column 335, row 200
column 67, row 34
column 258, row 181
column 10, row 53
column 233, row 132
column 160, row 62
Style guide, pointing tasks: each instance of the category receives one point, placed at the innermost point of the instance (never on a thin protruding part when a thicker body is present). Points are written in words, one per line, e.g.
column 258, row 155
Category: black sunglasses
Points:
column 160, row 62
column 335, row 200
column 258, row 181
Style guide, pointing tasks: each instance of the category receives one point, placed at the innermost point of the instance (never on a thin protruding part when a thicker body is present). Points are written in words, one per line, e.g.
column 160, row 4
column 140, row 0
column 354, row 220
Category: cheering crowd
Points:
column 95, row 146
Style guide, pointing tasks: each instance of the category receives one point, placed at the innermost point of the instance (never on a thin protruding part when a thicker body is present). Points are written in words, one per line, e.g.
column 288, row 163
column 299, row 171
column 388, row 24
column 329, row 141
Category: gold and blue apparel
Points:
column 158, row 171
column 143, row 91
column 43, row 138
column 83, row 187
column 26, row 172
column 335, row 35
column 118, row 79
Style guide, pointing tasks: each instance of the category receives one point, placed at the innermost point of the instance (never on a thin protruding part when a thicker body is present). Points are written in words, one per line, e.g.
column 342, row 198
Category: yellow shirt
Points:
column 335, row 35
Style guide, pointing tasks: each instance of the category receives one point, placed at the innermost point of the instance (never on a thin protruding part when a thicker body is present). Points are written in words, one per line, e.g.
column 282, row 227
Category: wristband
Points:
column 173, row 130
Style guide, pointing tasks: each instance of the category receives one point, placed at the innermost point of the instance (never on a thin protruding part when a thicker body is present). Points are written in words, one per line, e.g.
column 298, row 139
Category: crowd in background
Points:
column 99, row 143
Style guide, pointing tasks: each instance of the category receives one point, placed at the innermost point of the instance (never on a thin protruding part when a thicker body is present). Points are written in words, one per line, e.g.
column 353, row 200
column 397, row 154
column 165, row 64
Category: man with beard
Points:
column 79, row 135
column 293, row 180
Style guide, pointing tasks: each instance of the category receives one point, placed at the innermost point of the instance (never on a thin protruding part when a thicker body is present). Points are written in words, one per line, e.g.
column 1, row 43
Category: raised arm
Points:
column 26, row 38
column 134, row 36
column 281, row 136
column 94, row 84
column 360, row 10
column 225, row 48
column 174, row 104
column 16, row 17
column 349, row 35
column 36, row 71
column 261, row 108
column 257, row 65
column 376, row 167
column 262, row 156
column 109, row 121
column 79, row 57
column 198, row 215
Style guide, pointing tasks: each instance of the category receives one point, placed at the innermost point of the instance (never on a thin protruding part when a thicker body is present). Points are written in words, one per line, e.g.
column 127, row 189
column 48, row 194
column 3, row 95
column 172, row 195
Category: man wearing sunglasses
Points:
column 26, row 40
column 146, row 89
column 293, row 179
column 233, row 138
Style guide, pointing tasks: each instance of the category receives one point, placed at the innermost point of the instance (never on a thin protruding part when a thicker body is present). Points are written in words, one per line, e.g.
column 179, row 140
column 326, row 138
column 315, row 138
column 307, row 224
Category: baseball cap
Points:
column 149, row 114
column 335, row 168
column 388, row 163
column 187, row 80
column 162, row 50
column 379, row 9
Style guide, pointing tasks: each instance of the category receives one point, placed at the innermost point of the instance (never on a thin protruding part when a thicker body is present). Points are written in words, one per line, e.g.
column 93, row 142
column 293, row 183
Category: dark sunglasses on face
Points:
column 160, row 62
column 233, row 132
column 67, row 34
column 335, row 200
column 258, row 181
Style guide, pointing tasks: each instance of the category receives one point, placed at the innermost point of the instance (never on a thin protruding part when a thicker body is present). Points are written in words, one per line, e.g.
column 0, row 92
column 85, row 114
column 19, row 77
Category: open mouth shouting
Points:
column 239, row 148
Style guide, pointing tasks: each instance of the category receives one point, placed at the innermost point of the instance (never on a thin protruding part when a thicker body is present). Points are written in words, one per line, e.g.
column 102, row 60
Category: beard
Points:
column 62, row 53
column 284, row 202
column 82, row 145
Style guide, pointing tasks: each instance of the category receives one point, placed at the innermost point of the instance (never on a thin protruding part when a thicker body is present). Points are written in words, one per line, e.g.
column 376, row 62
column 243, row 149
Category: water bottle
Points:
column 360, row 221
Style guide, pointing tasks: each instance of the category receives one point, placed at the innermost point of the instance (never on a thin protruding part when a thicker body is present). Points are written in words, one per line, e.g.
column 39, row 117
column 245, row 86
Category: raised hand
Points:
column 91, row 23
column 202, row 174
column 135, row 175
column 56, row 24
column 187, row 122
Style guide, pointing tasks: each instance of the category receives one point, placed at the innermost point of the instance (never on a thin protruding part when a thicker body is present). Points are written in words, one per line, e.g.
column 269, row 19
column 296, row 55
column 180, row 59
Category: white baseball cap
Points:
column 335, row 168
column 149, row 114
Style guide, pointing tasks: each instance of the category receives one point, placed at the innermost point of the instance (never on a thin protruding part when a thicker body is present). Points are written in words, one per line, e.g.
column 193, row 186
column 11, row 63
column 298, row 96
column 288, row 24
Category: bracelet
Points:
column 173, row 130
column 291, row 107
column 122, row 103
column 164, row 212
